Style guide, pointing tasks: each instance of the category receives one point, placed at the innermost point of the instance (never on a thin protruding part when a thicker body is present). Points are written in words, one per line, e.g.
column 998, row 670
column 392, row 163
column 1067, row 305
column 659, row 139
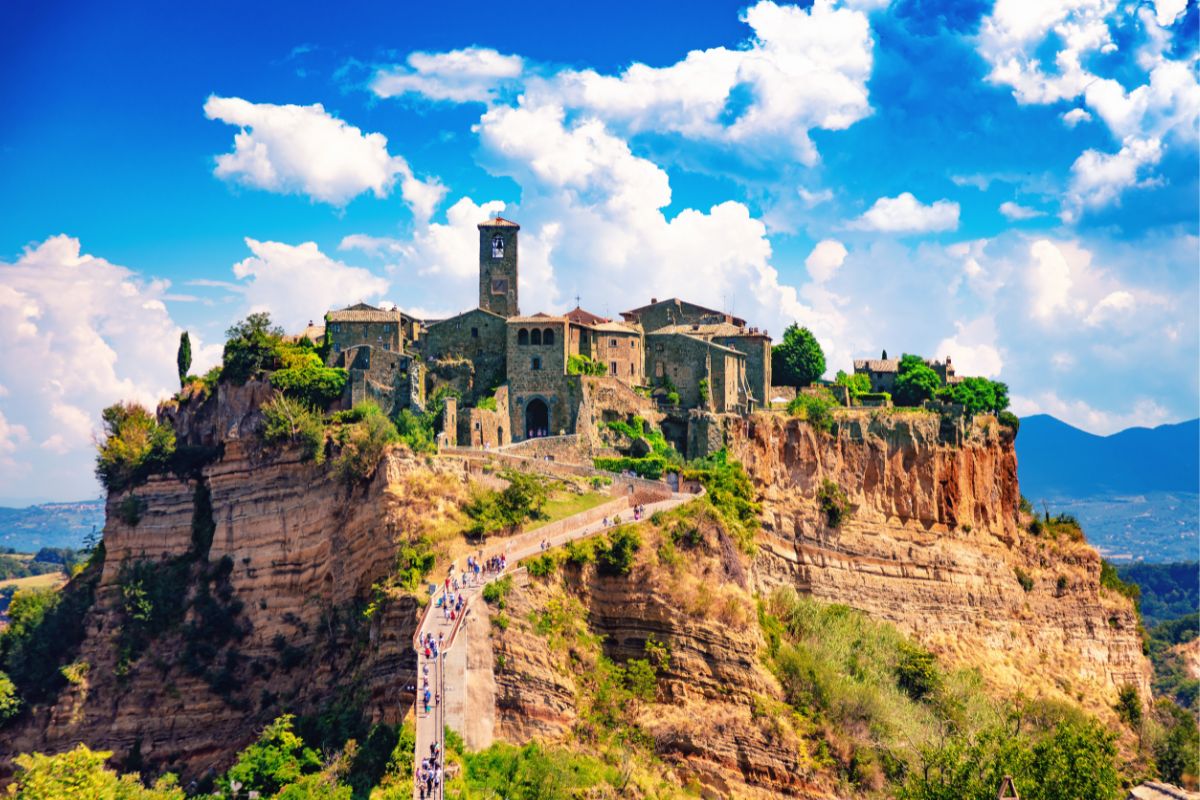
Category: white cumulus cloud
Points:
column 1015, row 211
column 81, row 333
column 472, row 74
column 1098, row 179
column 295, row 149
column 906, row 214
column 825, row 259
column 297, row 283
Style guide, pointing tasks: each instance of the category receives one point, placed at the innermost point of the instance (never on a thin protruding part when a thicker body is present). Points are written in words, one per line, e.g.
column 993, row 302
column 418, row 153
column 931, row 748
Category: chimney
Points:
column 653, row 300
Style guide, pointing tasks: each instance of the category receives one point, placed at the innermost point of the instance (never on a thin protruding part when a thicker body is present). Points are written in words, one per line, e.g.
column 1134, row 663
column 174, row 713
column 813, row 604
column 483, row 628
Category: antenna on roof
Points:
column 577, row 300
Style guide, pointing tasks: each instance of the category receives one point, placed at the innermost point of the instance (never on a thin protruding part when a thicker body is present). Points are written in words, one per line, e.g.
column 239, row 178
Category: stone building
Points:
column 706, row 375
column 391, row 380
column 466, row 352
column 532, row 364
column 365, row 324
column 498, row 267
column 679, row 316
column 883, row 371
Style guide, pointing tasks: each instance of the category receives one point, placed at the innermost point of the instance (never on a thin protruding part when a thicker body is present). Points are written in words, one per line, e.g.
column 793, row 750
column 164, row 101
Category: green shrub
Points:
column 10, row 701
column 729, row 493
column 1024, row 579
column 153, row 600
column 833, row 503
column 537, row 772
column 278, row 759
column 581, row 552
column 976, row 395
column 496, row 591
column 650, row 467
column 523, row 499
column 858, row 383
column 251, row 346
column 363, row 445
column 135, row 446
column 130, row 510
column 815, row 409
column 543, row 566
column 414, row 560
column 81, row 773
column 1129, row 706
column 287, row 420
column 583, row 365
column 617, row 555
column 1010, row 420
column 417, row 431
column 487, row 403
column 917, row 672
column 313, row 384
column 45, row 629
column 1110, row 579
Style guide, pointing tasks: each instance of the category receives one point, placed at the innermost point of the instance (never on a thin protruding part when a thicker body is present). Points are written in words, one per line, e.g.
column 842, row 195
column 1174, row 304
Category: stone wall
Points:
column 687, row 360
column 384, row 377
column 757, row 349
column 481, row 427
column 381, row 335
column 475, row 338
column 621, row 351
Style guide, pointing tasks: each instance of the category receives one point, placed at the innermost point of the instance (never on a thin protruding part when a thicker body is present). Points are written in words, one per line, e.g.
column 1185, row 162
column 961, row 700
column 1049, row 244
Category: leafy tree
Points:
column 798, row 360
column 617, row 557
column 183, row 358
column 916, row 381
column 363, row 444
column 251, row 345
column 977, row 395
column 313, row 384
column 288, row 420
column 10, row 703
column 80, row 774
column 858, row 383
column 279, row 758
column 1177, row 752
column 135, row 445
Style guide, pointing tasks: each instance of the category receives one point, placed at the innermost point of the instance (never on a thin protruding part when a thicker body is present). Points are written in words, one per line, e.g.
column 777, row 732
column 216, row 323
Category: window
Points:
column 535, row 336
column 337, row 348
column 500, row 286
column 612, row 342
column 630, row 367
column 474, row 333
column 387, row 345
column 658, row 369
column 548, row 336
column 497, row 246
column 535, row 363
column 612, row 368
column 658, row 348
column 523, row 336
column 633, row 343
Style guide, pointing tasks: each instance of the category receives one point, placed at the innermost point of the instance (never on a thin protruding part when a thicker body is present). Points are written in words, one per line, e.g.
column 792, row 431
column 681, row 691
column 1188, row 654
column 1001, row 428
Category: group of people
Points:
column 429, row 774
column 493, row 565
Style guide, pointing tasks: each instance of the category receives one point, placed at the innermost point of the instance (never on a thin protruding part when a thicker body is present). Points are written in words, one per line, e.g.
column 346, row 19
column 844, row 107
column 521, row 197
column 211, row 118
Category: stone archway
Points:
column 537, row 418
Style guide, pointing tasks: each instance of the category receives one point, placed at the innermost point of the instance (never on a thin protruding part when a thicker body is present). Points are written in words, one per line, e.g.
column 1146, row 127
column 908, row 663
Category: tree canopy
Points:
column 183, row 358
column 798, row 360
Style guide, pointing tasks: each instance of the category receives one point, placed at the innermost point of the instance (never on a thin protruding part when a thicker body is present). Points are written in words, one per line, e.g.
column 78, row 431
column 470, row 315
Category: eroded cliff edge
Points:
column 934, row 544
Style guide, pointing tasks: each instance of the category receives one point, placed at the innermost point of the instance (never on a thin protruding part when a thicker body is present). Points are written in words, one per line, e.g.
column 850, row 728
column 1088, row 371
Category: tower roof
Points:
column 498, row 222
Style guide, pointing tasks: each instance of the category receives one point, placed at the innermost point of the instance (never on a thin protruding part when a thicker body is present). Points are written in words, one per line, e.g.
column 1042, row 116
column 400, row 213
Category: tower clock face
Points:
column 500, row 286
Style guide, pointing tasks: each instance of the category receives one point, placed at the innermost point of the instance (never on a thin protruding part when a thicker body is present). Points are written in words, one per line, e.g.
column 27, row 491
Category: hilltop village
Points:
column 516, row 377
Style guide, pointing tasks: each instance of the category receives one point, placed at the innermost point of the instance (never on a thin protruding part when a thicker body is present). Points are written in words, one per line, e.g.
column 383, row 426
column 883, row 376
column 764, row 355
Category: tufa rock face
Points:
column 294, row 554
column 935, row 545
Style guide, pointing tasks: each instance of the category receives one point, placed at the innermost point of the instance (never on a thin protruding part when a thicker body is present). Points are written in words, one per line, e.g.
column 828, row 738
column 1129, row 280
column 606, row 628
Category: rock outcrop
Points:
column 935, row 544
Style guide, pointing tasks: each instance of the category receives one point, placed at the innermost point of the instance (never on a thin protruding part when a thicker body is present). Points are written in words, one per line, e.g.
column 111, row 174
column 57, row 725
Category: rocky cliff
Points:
column 277, row 559
column 274, row 588
column 935, row 543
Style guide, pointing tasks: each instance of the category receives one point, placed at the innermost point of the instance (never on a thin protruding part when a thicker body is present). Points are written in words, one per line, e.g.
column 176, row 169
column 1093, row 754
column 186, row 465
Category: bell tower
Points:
column 498, row 267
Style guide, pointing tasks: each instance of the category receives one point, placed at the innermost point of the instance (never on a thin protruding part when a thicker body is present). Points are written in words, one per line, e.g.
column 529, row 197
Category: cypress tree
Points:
column 183, row 358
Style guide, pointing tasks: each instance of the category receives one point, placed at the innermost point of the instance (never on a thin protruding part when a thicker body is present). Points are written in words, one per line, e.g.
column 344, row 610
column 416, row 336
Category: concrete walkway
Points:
column 445, row 673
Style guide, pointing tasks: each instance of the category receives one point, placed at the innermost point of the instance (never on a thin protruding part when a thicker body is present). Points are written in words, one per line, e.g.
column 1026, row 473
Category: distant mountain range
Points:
column 1055, row 459
column 29, row 529
column 1137, row 492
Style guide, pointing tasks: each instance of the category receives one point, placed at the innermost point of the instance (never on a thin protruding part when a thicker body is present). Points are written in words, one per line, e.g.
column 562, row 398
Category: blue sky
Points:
column 1013, row 184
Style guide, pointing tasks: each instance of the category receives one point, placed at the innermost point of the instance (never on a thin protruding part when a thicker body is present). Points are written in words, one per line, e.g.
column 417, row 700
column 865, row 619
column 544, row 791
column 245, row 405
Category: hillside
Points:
column 262, row 584
column 1135, row 491
column 29, row 529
